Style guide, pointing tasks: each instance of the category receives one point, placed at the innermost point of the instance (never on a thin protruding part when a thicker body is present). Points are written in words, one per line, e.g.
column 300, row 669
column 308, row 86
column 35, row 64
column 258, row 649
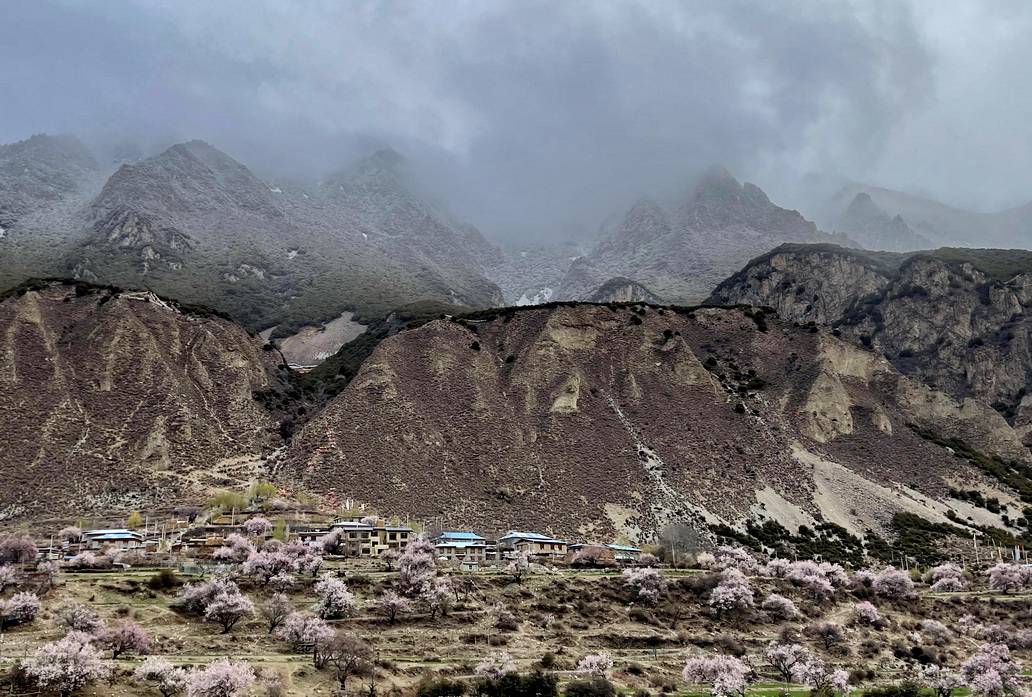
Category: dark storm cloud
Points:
column 529, row 117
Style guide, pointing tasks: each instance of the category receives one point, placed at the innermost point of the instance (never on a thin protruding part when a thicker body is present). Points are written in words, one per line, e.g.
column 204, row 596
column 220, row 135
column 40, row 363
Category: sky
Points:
column 538, row 120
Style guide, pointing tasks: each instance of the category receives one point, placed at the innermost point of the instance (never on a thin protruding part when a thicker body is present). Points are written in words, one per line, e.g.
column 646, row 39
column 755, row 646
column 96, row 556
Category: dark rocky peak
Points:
column 863, row 204
column 191, row 177
column 867, row 223
column 645, row 222
column 718, row 186
column 42, row 150
column 42, row 174
column 384, row 170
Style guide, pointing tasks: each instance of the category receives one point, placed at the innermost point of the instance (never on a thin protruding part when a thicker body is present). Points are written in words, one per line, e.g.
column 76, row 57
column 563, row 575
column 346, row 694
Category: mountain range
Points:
column 681, row 252
column 586, row 419
column 929, row 223
column 194, row 223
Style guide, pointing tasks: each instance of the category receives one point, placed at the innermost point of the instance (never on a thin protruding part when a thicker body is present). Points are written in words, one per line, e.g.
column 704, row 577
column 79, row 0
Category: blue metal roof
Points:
column 532, row 536
column 461, row 545
column 623, row 548
column 459, row 535
column 118, row 535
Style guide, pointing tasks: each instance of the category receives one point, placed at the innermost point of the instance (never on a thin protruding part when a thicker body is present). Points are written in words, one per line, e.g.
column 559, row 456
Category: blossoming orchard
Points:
column 259, row 614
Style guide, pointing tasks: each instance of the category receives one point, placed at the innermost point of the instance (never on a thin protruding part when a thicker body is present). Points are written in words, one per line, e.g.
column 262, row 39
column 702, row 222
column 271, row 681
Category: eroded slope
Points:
column 116, row 400
column 594, row 419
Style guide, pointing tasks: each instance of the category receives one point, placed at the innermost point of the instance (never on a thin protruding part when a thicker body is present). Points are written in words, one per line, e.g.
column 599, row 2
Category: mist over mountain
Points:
column 534, row 120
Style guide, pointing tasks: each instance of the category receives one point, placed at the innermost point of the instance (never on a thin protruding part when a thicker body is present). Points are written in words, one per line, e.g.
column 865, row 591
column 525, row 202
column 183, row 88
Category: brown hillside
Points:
column 115, row 400
column 593, row 419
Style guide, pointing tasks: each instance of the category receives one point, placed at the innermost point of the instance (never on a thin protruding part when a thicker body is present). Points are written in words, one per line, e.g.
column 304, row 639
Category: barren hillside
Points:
column 592, row 419
column 119, row 400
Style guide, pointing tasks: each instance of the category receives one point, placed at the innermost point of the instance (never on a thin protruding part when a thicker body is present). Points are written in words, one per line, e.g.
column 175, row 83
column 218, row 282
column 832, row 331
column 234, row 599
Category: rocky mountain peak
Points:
column 867, row 223
column 40, row 172
column 382, row 171
column 716, row 183
column 187, row 178
column 44, row 148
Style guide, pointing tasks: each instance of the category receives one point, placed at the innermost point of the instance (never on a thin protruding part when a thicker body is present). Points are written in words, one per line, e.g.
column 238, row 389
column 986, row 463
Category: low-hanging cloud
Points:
column 532, row 118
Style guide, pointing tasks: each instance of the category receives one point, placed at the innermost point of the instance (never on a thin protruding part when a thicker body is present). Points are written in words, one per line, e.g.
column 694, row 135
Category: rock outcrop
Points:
column 623, row 290
column 954, row 319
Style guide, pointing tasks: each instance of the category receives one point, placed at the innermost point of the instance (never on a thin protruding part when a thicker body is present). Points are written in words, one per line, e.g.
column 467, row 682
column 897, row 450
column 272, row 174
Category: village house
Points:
column 114, row 538
column 625, row 553
column 311, row 536
column 614, row 552
column 365, row 538
column 460, row 546
column 532, row 544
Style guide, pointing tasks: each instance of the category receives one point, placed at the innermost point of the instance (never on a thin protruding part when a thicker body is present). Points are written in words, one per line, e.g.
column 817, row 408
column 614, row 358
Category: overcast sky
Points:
column 539, row 118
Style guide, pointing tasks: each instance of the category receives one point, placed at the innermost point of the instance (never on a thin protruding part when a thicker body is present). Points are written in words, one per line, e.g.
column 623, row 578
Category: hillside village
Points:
column 272, row 601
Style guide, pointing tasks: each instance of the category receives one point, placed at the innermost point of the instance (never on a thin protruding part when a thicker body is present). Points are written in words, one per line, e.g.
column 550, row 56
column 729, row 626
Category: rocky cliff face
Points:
column 590, row 420
column 118, row 400
column 954, row 319
column 682, row 252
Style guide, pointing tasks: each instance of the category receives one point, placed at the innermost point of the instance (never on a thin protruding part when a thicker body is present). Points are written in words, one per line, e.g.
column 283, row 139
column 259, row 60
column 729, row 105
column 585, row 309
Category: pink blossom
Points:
column 19, row 609
column 168, row 678
column 66, row 665
column 817, row 674
column 264, row 566
column 78, row 617
column 595, row 664
column 948, row 585
column 894, row 584
column 647, row 582
column 236, row 549
column 732, row 593
column 304, row 631
column 227, row 607
column 335, row 600
column 223, row 678
column 779, row 606
column 736, row 558
column 257, row 526
column 1005, row 577
column 392, row 604
column 992, row 673
column 495, row 666
column 784, row 657
column 8, row 577
column 17, row 549
column 866, row 613
column 941, row 680
column 437, row 596
column 124, row 637
column 727, row 675
column 416, row 567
